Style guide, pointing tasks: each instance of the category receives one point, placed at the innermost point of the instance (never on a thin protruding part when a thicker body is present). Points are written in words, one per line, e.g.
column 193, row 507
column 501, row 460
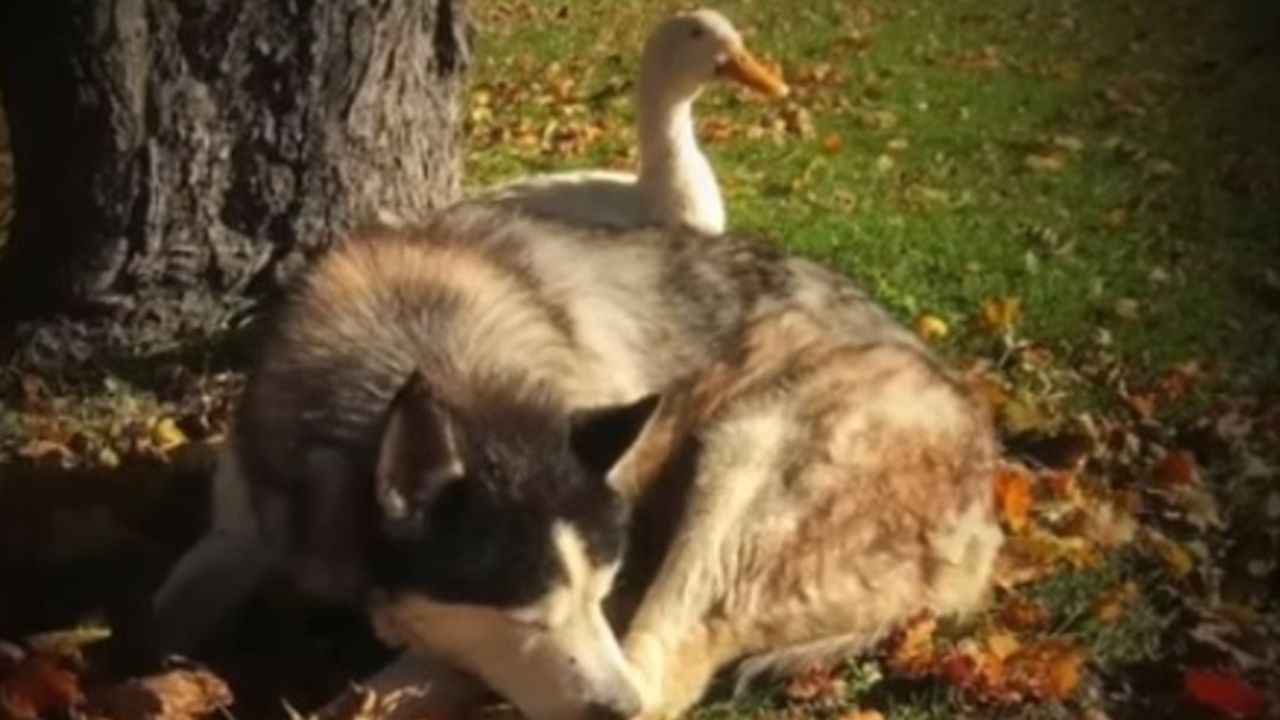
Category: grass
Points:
column 1167, row 102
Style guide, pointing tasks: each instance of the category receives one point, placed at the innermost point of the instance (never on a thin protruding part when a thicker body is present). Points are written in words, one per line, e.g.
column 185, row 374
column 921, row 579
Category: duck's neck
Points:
column 668, row 147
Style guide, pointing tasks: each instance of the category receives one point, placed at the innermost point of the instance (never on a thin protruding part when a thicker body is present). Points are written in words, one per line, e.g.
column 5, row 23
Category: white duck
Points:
column 675, row 184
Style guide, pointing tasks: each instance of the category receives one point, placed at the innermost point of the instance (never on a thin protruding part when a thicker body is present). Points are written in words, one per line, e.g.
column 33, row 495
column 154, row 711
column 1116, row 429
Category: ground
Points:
column 1076, row 201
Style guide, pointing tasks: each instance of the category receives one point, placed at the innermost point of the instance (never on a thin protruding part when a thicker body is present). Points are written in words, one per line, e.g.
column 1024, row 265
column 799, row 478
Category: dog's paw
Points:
column 646, row 659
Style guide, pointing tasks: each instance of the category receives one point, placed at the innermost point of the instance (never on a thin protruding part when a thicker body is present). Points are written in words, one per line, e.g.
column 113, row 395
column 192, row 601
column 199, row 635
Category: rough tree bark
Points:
column 176, row 159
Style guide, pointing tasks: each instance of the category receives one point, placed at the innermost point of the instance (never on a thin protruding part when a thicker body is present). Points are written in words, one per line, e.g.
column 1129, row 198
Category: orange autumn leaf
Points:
column 1013, row 496
column 1063, row 676
column 1225, row 692
column 1177, row 469
column 1048, row 670
column 1001, row 313
column 1022, row 614
column 816, row 684
column 1111, row 606
column 39, row 686
column 1142, row 404
column 832, row 144
column 911, row 649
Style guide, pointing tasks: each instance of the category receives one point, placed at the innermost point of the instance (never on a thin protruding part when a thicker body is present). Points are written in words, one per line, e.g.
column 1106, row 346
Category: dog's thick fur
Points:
column 436, row 423
column 796, row 500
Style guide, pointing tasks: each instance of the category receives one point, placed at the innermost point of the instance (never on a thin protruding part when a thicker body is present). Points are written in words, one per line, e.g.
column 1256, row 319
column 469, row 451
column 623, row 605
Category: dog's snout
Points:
column 619, row 709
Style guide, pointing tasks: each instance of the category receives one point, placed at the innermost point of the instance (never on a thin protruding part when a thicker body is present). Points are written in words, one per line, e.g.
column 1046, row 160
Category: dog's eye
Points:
column 696, row 33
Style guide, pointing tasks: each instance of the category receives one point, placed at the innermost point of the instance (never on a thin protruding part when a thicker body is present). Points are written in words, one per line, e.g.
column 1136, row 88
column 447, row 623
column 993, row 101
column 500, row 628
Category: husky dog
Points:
column 794, row 501
column 433, row 418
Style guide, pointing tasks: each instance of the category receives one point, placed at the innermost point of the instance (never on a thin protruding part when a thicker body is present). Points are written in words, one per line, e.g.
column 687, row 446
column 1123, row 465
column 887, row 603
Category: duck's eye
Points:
column 696, row 33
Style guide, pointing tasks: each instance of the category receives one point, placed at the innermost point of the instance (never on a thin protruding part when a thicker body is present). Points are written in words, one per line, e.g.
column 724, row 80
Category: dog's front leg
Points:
column 672, row 662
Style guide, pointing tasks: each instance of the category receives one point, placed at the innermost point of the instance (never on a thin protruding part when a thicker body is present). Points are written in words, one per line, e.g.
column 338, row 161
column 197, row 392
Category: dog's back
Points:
column 799, row 500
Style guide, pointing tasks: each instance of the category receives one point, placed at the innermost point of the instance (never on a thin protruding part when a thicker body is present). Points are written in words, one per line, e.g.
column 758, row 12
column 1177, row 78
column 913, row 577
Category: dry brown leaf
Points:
column 1022, row 614
column 1177, row 469
column 798, row 120
column 1046, row 162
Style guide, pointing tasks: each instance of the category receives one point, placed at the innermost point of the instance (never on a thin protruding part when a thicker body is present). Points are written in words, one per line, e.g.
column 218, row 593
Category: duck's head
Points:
column 691, row 49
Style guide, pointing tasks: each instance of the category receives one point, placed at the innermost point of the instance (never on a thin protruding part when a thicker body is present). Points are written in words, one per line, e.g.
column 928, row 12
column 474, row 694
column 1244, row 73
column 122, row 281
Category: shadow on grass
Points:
column 92, row 545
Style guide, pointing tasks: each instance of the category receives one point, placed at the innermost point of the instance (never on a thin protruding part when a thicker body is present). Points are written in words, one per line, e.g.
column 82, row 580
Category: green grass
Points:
column 959, row 217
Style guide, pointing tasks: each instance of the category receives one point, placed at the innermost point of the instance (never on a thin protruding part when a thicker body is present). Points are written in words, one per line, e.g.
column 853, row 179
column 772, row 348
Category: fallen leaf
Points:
column 1116, row 217
column 862, row 715
column 877, row 119
column 1062, row 674
column 37, row 686
column 832, row 144
column 1045, row 162
column 816, row 684
column 1013, row 495
column 166, row 435
column 69, row 643
column 1023, row 413
column 986, row 59
column 1177, row 383
column 108, row 458
column 1178, row 559
column 46, row 451
column 1022, row 614
column 1002, row 644
column 911, row 647
column 1109, row 524
column 1111, row 606
column 1142, row 404
column 1127, row 309
column 999, row 314
column 1225, row 692
column 798, row 121
column 1160, row 168
column 174, row 695
column 1177, row 469
column 931, row 327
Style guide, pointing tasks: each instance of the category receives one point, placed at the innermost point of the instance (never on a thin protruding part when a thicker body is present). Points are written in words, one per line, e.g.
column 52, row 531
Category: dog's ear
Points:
column 419, row 454
column 599, row 437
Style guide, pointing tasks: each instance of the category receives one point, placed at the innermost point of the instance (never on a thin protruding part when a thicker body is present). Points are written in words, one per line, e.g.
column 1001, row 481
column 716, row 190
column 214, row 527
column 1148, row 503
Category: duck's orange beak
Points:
column 740, row 66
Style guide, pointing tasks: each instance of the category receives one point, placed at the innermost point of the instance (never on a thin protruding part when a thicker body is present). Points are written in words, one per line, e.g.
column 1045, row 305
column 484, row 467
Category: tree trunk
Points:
column 177, row 159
